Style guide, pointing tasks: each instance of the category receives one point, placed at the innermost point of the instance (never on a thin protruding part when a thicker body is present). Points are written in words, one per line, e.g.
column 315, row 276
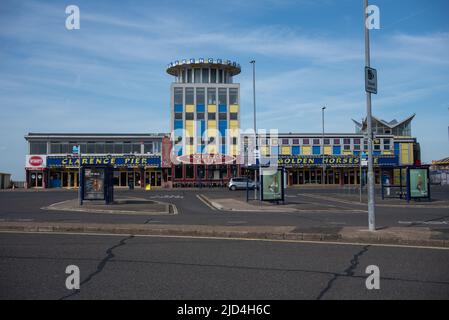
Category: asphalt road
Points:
column 32, row 266
column 25, row 206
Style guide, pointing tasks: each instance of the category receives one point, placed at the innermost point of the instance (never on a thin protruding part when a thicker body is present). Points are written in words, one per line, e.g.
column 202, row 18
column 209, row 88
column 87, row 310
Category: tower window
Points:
column 211, row 96
column 222, row 96
column 205, row 75
column 189, row 95
column 213, row 75
column 233, row 96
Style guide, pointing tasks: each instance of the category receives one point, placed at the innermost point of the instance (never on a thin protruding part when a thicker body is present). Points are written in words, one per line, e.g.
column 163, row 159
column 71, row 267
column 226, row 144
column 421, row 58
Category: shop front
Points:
column 204, row 170
column 339, row 170
column 135, row 171
column 36, row 171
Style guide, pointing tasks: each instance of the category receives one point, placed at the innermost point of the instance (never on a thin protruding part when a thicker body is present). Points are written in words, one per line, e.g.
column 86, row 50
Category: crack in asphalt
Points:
column 237, row 267
column 348, row 272
column 100, row 266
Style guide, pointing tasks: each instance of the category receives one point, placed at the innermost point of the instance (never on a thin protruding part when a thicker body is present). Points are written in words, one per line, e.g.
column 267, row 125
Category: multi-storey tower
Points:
column 205, row 117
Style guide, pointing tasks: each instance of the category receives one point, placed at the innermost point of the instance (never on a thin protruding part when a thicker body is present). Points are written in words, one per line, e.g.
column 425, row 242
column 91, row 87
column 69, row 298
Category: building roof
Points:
column 442, row 162
column 326, row 135
column 33, row 135
column 392, row 124
column 232, row 67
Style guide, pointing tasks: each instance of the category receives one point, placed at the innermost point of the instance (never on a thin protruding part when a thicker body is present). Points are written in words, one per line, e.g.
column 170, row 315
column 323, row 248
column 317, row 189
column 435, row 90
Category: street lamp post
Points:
column 371, row 207
column 253, row 62
column 80, row 177
column 323, row 175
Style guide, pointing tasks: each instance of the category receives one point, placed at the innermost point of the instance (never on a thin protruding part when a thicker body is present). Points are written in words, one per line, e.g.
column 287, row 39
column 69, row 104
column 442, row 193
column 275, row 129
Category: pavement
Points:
column 32, row 266
column 399, row 236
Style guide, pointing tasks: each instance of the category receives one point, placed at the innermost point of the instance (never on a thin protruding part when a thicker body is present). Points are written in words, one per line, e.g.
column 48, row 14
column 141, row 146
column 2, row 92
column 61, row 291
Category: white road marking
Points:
column 358, row 244
column 205, row 202
column 237, row 222
column 167, row 197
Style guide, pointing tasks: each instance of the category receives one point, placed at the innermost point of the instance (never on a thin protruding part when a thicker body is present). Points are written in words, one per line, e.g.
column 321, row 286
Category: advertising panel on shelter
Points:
column 272, row 186
column 419, row 183
column 94, row 183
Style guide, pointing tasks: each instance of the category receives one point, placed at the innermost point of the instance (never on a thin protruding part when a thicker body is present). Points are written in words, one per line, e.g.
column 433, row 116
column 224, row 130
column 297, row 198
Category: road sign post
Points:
column 371, row 87
column 76, row 150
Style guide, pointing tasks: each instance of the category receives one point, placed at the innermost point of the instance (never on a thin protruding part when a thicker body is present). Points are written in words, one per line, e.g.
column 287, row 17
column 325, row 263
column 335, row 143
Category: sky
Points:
column 110, row 75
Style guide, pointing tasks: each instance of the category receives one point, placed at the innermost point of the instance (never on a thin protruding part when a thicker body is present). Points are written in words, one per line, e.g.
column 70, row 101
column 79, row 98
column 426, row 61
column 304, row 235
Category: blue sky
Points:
column 109, row 76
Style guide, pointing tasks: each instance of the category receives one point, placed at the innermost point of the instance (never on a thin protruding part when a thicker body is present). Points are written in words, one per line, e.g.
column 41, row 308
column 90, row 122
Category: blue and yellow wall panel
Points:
column 307, row 150
column 316, row 150
column 296, row 150
column 212, row 149
column 233, row 124
column 211, row 108
column 190, row 128
column 397, row 149
column 233, row 133
column 200, row 108
column 336, row 150
column 201, row 128
column 211, row 124
column 286, row 150
column 178, row 150
column 234, row 150
column 200, row 148
column 264, row 150
column 234, row 108
column 222, row 126
column 406, row 153
column 190, row 149
column 178, row 108
column 178, row 124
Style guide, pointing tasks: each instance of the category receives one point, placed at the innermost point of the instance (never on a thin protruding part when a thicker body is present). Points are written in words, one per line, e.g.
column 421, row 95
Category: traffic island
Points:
column 354, row 199
column 422, row 237
column 239, row 205
column 130, row 206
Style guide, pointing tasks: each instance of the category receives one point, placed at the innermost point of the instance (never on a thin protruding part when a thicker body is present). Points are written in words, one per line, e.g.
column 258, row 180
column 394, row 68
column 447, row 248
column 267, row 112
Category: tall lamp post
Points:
column 371, row 207
column 323, row 175
column 253, row 62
